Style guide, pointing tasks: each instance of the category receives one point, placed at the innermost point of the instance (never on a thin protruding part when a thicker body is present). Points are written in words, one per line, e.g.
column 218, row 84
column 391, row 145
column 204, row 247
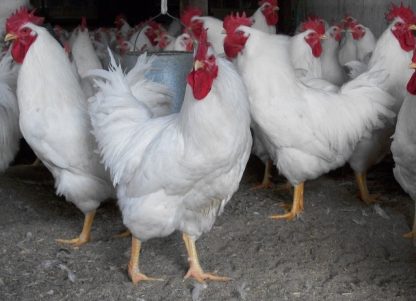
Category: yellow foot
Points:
column 410, row 234
column 76, row 242
column 136, row 277
column 201, row 276
column 123, row 234
column 288, row 216
column 262, row 186
column 370, row 198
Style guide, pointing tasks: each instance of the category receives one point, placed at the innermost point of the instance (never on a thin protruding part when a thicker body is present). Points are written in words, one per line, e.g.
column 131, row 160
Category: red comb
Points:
column 271, row 2
column 21, row 17
column 188, row 14
column 414, row 56
column 315, row 25
column 403, row 12
column 232, row 22
column 83, row 23
column 203, row 46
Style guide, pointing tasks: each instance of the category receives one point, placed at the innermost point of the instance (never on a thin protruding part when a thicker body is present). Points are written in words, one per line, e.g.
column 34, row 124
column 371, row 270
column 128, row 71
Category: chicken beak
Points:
column 412, row 66
column 323, row 37
column 276, row 8
column 198, row 65
column 412, row 27
column 10, row 37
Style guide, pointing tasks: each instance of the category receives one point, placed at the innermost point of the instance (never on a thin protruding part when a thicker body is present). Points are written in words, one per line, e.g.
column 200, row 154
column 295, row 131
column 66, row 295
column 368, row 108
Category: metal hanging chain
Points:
column 164, row 12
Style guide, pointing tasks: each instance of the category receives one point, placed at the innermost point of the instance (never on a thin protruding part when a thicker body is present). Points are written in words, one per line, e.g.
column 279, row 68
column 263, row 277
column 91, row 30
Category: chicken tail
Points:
column 117, row 115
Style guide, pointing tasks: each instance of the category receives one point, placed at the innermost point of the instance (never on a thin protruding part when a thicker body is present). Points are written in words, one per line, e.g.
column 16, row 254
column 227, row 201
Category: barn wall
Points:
column 369, row 12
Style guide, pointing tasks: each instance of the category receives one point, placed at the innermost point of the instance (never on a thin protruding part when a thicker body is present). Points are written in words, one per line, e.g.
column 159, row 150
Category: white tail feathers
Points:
column 117, row 116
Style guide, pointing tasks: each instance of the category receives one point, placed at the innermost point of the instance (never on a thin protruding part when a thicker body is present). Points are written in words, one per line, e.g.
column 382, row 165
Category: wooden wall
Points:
column 368, row 12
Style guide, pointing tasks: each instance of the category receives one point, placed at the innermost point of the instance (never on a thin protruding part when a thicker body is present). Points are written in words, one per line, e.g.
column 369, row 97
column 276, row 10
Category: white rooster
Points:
column 311, row 131
column 54, row 119
column 332, row 70
column 265, row 18
column 195, row 23
column 84, row 56
column 393, row 53
column 404, row 143
column 9, row 112
column 176, row 172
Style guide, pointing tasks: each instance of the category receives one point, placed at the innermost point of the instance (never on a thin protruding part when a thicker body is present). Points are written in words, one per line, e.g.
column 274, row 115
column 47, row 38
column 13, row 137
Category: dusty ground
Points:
column 339, row 249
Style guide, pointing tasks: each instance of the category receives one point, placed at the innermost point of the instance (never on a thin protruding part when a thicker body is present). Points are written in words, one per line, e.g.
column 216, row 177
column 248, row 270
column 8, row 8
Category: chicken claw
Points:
column 195, row 271
column 85, row 235
column 297, row 206
column 75, row 242
column 364, row 195
column 133, row 267
column 199, row 275
column 411, row 234
column 122, row 234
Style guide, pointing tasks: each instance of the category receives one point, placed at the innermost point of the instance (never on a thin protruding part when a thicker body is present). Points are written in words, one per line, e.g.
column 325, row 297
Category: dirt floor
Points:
column 339, row 249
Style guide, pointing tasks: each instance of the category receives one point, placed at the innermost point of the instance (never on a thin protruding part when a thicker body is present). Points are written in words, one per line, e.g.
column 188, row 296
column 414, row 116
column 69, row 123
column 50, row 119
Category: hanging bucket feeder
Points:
column 170, row 68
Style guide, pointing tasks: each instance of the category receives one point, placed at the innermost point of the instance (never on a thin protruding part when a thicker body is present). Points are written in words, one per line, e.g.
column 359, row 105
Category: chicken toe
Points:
column 297, row 206
column 411, row 234
column 195, row 271
column 133, row 267
column 364, row 194
column 85, row 235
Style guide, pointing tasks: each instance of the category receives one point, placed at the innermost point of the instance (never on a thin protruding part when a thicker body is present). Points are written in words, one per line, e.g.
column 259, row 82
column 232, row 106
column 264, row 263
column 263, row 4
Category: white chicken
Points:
column 365, row 41
column 404, row 143
column 305, row 53
column 122, row 26
column 84, row 56
column 348, row 47
column 265, row 18
column 393, row 53
column 195, row 23
column 182, row 42
column 306, row 49
column 311, row 131
column 332, row 70
column 176, row 172
column 145, row 38
column 54, row 119
column 9, row 112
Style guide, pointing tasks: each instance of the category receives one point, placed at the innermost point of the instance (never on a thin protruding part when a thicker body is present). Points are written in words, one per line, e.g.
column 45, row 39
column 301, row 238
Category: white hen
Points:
column 404, row 143
column 311, row 131
column 54, row 119
column 9, row 112
column 176, row 172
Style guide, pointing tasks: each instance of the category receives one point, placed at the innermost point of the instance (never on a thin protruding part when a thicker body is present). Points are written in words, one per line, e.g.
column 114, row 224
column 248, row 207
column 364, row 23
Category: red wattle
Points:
column 200, row 82
column 411, row 85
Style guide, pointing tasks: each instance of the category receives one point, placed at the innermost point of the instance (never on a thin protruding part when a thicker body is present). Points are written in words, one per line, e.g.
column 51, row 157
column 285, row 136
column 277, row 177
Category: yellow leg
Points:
column 284, row 187
column 297, row 206
column 123, row 234
column 195, row 269
column 364, row 195
column 133, row 267
column 266, row 183
column 410, row 234
column 85, row 235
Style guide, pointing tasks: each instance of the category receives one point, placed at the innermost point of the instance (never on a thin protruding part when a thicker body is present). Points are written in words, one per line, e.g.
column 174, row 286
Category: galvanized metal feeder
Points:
column 169, row 68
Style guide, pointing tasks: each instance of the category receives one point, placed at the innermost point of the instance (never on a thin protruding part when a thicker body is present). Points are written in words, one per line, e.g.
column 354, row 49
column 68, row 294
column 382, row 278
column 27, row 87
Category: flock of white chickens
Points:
column 312, row 102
